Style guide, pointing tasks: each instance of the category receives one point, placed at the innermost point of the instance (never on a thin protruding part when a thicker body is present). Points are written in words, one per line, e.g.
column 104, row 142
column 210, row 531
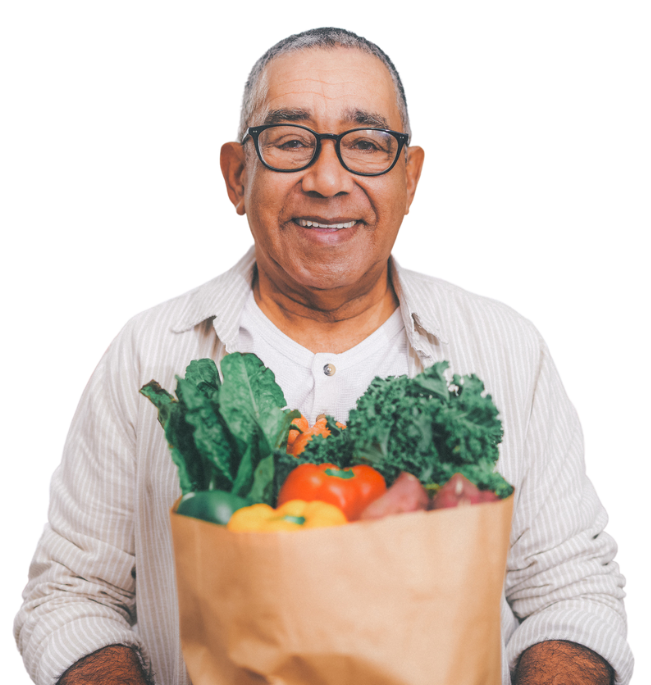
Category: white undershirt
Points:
column 303, row 375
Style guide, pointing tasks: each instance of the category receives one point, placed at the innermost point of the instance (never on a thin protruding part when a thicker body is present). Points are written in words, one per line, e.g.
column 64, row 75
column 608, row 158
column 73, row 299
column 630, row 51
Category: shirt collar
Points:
column 418, row 304
column 223, row 300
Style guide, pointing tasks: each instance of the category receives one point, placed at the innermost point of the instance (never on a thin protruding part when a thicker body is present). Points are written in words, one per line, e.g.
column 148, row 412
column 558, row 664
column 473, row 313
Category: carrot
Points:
column 298, row 439
column 302, row 427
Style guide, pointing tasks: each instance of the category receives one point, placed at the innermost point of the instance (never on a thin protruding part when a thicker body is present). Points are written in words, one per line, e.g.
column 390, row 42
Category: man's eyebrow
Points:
column 279, row 116
column 355, row 116
column 363, row 118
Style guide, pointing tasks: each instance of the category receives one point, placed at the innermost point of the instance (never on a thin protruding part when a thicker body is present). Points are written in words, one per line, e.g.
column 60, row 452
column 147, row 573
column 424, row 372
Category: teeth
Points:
column 313, row 224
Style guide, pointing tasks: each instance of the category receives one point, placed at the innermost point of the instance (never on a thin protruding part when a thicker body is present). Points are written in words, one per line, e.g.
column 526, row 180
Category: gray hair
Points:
column 255, row 90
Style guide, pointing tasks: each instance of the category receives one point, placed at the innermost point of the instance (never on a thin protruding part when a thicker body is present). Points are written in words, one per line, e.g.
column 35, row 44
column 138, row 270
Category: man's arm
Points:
column 562, row 581
column 81, row 591
column 557, row 662
column 112, row 665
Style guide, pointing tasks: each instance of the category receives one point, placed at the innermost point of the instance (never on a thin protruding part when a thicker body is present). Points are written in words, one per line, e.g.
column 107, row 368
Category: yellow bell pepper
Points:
column 293, row 515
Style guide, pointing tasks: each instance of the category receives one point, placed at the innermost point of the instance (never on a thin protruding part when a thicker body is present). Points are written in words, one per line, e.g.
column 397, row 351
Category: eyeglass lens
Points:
column 367, row 151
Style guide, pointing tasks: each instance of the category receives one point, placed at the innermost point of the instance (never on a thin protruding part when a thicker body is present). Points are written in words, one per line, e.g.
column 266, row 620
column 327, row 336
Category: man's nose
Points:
column 327, row 176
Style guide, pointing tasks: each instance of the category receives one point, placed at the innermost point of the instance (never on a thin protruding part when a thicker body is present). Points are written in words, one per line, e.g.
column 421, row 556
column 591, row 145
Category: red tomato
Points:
column 351, row 489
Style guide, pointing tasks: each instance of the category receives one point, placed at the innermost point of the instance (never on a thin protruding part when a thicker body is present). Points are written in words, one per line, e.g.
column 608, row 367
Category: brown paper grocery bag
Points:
column 412, row 599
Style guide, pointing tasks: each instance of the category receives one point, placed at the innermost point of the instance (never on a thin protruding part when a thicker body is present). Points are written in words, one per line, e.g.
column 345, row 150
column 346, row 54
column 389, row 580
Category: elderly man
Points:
column 325, row 175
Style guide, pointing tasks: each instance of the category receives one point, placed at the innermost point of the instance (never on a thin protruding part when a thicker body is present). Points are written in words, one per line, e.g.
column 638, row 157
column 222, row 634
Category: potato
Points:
column 406, row 494
column 460, row 492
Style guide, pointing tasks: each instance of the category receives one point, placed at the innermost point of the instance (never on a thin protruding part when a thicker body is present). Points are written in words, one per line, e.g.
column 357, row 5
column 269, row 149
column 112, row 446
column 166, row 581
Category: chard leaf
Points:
column 244, row 479
column 219, row 434
column 249, row 397
column 211, row 437
column 178, row 435
column 186, row 483
column 262, row 489
column 203, row 374
column 160, row 398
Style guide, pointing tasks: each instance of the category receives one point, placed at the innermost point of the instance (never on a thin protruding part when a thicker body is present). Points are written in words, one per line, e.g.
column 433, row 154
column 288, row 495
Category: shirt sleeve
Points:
column 80, row 596
column 562, row 581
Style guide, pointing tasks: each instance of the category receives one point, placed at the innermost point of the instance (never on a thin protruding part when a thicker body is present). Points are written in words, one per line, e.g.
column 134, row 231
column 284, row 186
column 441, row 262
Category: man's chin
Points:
column 329, row 285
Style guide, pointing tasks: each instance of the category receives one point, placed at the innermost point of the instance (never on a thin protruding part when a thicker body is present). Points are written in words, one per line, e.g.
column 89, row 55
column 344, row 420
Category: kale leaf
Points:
column 423, row 425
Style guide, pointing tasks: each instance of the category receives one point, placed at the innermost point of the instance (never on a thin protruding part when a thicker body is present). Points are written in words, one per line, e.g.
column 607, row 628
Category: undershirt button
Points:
column 329, row 369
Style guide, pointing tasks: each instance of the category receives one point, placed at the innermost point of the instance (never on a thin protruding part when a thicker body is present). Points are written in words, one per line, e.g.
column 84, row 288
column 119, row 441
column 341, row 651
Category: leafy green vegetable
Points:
column 250, row 398
column 231, row 435
column 171, row 415
column 262, row 489
column 210, row 435
column 422, row 425
column 222, row 435
column 335, row 449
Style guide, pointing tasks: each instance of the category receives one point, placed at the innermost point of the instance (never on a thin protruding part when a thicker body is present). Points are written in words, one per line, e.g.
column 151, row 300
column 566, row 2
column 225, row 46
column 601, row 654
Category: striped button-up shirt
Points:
column 103, row 571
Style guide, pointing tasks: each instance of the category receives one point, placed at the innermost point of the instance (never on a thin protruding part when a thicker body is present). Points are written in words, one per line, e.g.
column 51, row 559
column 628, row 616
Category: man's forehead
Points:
column 347, row 84
column 326, row 64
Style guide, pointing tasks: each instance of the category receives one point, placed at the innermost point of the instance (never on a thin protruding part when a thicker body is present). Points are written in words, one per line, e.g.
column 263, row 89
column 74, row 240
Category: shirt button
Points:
column 329, row 369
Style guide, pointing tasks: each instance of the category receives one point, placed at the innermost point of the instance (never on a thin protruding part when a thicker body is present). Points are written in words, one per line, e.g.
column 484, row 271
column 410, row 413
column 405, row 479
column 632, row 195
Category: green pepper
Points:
column 216, row 506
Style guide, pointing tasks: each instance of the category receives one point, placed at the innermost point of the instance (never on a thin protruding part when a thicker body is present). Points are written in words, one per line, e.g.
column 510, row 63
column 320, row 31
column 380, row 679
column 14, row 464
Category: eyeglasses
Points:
column 362, row 151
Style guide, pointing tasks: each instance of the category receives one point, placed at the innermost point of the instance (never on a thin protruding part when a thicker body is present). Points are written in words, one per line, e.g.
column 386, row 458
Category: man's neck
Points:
column 327, row 321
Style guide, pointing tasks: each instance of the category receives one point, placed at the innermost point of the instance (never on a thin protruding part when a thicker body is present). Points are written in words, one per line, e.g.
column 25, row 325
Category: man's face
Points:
column 329, row 91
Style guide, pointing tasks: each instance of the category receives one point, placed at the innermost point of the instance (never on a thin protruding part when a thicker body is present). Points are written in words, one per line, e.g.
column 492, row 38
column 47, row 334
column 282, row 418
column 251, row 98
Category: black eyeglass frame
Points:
column 254, row 132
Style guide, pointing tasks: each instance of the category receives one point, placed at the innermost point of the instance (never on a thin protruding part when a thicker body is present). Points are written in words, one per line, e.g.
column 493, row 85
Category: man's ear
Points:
column 414, row 166
column 231, row 161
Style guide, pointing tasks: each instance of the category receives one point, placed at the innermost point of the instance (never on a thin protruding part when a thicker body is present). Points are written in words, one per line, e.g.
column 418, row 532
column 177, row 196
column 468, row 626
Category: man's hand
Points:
column 558, row 662
column 113, row 665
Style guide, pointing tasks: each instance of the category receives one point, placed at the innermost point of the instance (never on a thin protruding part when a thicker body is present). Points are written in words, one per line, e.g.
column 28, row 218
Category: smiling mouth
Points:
column 305, row 223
